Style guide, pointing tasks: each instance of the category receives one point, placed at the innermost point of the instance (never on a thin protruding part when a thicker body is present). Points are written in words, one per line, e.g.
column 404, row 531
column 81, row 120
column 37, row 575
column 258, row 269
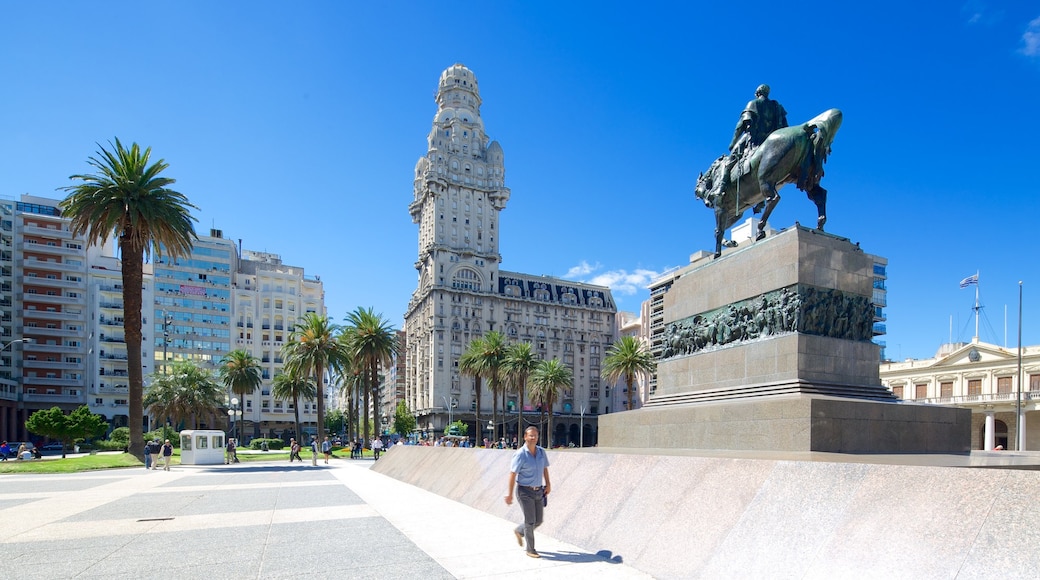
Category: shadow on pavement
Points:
column 582, row 557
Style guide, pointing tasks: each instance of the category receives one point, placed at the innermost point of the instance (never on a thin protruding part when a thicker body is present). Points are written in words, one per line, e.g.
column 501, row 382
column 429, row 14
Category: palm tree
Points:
column 626, row 358
column 491, row 353
column 185, row 392
column 127, row 199
column 292, row 387
column 373, row 342
column 470, row 365
column 241, row 373
column 313, row 348
column 550, row 380
column 518, row 364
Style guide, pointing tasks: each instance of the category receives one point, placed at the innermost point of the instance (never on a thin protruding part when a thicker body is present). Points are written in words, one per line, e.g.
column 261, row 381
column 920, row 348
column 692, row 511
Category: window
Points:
column 946, row 389
column 1003, row 384
column 898, row 391
column 974, row 386
column 921, row 391
column 1034, row 382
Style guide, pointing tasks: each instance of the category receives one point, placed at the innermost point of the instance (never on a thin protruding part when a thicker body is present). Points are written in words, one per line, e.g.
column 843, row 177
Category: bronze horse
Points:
column 789, row 155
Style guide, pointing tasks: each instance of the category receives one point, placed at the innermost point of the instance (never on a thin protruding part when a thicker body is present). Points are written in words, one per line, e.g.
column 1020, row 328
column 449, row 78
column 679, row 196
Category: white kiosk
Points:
column 202, row 447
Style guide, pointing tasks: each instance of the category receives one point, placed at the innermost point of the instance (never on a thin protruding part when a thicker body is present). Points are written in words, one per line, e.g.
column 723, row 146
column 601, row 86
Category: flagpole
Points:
column 1018, row 398
column 976, row 306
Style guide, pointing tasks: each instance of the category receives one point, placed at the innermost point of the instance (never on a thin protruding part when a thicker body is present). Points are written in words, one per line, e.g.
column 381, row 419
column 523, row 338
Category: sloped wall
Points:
column 684, row 517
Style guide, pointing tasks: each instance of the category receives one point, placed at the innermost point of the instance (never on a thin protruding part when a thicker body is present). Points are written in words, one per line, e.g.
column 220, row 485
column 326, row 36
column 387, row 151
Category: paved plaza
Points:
column 263, row 520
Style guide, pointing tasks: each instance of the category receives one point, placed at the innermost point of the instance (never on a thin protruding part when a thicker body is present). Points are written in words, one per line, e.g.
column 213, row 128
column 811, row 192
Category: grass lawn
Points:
column 70, row 464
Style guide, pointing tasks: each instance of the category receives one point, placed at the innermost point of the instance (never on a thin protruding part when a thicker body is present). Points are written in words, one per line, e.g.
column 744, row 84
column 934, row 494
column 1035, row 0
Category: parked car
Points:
column 51, row 447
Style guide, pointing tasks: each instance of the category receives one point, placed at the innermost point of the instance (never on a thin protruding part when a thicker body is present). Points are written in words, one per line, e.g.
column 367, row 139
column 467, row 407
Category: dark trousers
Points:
column 531, row 503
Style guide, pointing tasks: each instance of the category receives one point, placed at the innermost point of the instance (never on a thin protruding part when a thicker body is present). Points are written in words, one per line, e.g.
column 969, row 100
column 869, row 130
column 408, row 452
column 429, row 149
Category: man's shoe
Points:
column 519, row 538
column 533, row 554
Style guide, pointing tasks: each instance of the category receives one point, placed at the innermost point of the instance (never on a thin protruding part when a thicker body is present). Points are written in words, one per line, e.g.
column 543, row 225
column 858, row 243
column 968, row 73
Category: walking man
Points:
column 167, row 453
column 529, row 476
column 148, row 454
column 314, row 450
column 326, row 448
column 377, row 446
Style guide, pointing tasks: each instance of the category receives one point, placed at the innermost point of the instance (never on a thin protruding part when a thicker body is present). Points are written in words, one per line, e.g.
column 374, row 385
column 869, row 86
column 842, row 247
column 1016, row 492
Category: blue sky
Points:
column 296, row 127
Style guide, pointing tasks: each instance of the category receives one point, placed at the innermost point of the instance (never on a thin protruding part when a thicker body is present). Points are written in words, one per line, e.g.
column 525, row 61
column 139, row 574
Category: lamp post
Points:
column 491, row 432
column 581, row 428
column 25, row 340
column 167, row 321
column 234, row 414
column 454, row 403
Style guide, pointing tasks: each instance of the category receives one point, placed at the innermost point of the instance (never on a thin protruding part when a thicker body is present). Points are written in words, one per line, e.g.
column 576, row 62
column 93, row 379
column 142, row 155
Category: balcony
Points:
column 33, row 331
column 48, row 298
column 57, row 365
column 46, row 232
column 980, row 399
column 48, row 399
column 52, row 381
column 37, row 314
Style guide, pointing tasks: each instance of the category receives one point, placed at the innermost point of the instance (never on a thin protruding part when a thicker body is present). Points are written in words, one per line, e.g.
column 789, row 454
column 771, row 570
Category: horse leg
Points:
column 819, row 197
column 770, row 204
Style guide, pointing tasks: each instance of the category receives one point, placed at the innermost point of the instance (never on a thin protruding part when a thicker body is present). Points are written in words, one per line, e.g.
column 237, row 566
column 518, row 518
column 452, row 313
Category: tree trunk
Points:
column 321, row 403
column 476, row 415
column 364, row 412
column 375, row 395
column 628, row 380
column 132, row 272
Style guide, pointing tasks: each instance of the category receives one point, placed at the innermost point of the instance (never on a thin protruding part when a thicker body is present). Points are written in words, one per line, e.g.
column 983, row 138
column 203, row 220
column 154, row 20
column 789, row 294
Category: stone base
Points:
column 792, row 423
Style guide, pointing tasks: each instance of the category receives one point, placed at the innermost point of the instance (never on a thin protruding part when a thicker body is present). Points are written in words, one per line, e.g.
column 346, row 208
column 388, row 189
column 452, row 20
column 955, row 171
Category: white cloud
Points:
column 621, row 282
column 582, row 269
column 1031, row 39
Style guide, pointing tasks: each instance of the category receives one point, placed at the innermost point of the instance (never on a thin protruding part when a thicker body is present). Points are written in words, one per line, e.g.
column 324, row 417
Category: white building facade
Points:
column 984, row 378
column 459, row 193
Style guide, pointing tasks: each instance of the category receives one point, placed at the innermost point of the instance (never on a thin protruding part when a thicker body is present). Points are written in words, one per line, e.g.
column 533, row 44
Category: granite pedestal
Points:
column 768, row 348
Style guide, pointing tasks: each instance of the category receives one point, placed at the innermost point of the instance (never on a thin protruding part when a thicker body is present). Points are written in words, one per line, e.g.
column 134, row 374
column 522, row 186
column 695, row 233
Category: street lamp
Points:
column 235, row 415
column 167, row 321
column 581, row 429
column 25, row 340
column 454, row 403
column 491, row 430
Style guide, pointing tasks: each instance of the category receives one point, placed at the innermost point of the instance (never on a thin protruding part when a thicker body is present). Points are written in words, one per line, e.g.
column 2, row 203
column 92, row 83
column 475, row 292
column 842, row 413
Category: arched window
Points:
column 466, row 279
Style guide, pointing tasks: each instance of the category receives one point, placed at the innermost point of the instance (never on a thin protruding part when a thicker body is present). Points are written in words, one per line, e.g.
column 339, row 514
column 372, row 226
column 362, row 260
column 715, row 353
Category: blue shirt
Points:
column 528, row 468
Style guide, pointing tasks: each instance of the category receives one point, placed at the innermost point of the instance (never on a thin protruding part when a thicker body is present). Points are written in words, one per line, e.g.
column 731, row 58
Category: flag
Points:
column 972, row 280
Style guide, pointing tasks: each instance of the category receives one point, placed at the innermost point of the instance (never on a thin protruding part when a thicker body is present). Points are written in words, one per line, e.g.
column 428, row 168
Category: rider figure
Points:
column 760, row 117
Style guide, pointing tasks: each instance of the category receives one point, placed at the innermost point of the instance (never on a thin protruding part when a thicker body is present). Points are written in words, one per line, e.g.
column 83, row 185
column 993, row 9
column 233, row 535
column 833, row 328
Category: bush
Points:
column 109, row 445
column 272, row 444
column 120, row 436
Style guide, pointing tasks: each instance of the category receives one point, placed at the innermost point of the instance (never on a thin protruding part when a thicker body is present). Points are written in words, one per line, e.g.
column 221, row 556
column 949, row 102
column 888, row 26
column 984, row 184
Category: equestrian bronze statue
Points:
column 787, row 155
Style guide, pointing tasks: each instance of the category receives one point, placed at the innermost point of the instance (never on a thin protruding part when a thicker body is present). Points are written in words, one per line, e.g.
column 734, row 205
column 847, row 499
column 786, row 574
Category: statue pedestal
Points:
column 768, row 348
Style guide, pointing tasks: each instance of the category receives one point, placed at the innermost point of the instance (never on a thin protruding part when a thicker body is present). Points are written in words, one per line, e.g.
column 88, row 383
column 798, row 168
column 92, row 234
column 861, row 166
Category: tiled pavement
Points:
column 262, row 520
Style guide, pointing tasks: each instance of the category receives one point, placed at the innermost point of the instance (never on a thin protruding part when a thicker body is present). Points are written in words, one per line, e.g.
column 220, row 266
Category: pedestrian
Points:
column 147, row 454
column 326, row 448
column 156, row 453
column 529, row 476
column 377, row 446
column 314, row 450
column 294, row 451
column 5, row 450
column 232, row 452
column 167, row 453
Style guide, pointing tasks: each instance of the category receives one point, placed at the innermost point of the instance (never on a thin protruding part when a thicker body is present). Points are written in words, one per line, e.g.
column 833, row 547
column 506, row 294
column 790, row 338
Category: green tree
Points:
column 240, row 372
column 120, row 436
column 334, row 420
column 470, row 365
column 404, row 421
column 183, row 394
column 314, row 349
column 484, row 358
column 627, row 358
column 373, row 343
column 518, row 364
column 127, row 199
column 551, row 379
column 291, row 386
column 55, row 424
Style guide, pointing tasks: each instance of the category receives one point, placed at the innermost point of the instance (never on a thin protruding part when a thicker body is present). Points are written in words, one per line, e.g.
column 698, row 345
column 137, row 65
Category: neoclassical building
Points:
column 982, row 377
column 460, row 192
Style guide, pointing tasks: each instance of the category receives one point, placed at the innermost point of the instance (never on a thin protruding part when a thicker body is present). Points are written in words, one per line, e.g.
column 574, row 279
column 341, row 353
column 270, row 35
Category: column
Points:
column 1022, row 430
column 989, row 440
